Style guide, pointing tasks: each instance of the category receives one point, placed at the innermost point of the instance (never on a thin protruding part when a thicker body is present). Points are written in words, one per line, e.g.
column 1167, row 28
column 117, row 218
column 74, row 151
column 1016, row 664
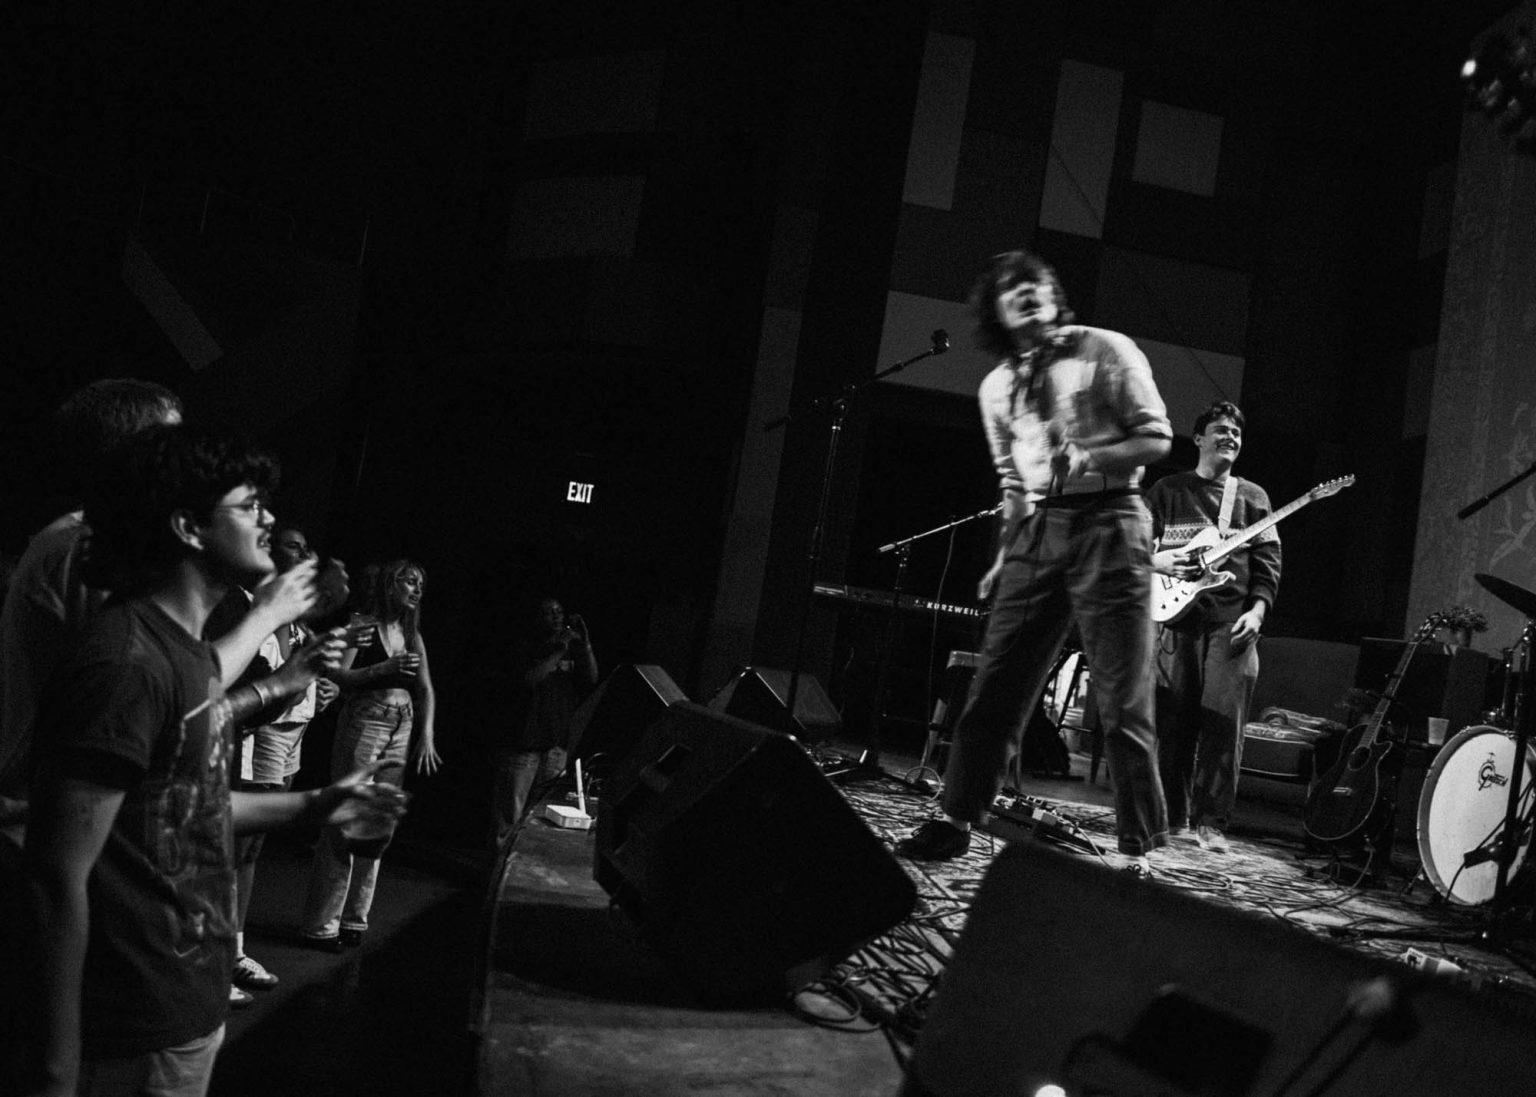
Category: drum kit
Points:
column 1478, row 801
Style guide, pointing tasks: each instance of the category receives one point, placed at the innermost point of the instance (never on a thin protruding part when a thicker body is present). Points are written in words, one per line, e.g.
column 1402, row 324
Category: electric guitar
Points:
column 1172, row 596
column 1344, row 798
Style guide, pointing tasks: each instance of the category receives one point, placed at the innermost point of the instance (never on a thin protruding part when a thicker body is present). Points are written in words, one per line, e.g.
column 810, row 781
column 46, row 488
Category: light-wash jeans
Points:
column 344, row 873
column 516, row 773
column 181, row 1071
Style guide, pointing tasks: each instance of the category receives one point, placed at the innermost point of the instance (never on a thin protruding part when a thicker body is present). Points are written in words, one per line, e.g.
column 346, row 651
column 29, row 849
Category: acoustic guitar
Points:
column 1344, row 799
column 1172, row 596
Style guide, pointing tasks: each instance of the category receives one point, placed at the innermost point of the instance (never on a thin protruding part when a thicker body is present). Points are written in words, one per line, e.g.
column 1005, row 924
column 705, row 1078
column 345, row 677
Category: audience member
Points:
column 552, row 668
column 385, row 718
column 270, row 743
column 48, row 601
column 53, row 593
column 132, row 822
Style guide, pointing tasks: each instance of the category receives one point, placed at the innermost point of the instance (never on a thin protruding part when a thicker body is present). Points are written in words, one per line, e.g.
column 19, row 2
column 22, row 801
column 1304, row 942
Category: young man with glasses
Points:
column 129, row 842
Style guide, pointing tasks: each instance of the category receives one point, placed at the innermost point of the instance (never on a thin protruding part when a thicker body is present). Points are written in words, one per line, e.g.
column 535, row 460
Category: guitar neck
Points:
column 1237, row 540
column 1383, row 706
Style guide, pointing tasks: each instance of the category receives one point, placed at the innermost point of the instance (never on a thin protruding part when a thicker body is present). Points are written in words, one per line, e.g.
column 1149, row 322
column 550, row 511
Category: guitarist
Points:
column 1207, row 658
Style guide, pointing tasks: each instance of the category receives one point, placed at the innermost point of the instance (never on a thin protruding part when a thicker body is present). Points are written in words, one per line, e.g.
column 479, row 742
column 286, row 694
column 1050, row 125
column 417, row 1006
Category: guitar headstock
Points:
column 1501, row 83
column 1428, row 628
column 1331, row 487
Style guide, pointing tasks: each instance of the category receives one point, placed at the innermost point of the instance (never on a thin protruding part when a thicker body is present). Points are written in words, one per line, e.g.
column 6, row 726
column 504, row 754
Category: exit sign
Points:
column 577, row 492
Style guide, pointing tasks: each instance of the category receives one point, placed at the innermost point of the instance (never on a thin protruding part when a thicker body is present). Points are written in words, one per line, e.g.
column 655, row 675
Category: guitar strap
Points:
column 1228, row 500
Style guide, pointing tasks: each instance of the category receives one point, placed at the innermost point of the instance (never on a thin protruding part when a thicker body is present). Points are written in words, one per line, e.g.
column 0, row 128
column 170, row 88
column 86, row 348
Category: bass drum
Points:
column 1461, row 809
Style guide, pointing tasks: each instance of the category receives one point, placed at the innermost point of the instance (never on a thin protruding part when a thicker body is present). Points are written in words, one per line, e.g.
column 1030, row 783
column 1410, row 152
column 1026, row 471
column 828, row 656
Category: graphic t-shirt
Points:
column 138, row 706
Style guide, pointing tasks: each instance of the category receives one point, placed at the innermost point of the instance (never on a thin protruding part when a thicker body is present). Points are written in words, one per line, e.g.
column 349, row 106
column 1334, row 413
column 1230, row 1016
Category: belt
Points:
column 1083, row 499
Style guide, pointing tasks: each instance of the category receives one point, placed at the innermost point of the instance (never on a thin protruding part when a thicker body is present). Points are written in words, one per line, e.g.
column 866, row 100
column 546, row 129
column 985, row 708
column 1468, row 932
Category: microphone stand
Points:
column 1472, row 508
column 868, row 764
column 837, row 403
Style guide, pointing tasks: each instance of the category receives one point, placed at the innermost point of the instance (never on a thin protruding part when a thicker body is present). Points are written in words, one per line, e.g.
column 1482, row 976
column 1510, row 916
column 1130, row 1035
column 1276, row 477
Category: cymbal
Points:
column 1506, row 592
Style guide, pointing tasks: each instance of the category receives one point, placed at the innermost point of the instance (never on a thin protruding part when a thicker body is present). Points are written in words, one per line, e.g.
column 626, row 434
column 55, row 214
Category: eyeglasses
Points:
column 252, row 506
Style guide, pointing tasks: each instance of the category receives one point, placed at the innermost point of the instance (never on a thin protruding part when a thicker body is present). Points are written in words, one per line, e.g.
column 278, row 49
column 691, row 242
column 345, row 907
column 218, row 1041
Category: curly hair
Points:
column 1221, row 409
column 1004, row 272
column 153, row 475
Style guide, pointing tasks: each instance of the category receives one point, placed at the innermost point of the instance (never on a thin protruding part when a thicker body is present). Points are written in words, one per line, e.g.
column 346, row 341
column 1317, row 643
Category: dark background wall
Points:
column 449, row 257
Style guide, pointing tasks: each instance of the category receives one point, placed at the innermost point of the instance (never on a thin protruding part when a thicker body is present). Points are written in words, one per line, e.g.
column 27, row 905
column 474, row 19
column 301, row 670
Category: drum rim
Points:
column 1426, row 797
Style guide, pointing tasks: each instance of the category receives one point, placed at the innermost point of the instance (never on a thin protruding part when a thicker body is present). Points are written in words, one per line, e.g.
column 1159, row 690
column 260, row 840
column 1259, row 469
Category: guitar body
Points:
column 1171, row 596
column 1344, row 799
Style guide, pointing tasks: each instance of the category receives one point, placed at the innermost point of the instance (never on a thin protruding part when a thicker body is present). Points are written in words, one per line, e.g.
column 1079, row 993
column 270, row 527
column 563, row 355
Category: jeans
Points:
column 344, row 873
column 1089, row 565
column 517, row 771
column 1203, row 693
column 182, row 1071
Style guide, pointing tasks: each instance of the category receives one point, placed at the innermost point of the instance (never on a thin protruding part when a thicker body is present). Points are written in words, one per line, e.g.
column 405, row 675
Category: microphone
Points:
column 940, row 341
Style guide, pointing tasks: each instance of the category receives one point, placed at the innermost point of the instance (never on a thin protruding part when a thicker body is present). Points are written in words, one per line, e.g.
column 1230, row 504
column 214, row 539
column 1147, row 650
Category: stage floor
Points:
column 574, row 1005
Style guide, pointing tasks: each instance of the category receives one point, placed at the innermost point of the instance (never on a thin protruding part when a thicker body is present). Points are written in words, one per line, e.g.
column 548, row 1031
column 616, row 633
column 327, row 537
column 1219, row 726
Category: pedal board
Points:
column 1016, row 818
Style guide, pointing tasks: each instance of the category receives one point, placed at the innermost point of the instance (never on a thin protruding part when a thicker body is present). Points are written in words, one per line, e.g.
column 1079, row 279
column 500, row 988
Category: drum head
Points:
column 1461, row 809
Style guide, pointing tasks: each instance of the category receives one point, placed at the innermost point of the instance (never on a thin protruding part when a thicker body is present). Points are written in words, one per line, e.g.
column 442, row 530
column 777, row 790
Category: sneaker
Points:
column 1139, row 865
column 331, row 943
column 239, row 999
column 351, row 938
column 250, row 975
column 935, row 840
column 1212, row 839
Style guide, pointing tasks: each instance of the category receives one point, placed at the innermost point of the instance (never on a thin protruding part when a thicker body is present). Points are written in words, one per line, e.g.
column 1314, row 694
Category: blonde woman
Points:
column 386, row 715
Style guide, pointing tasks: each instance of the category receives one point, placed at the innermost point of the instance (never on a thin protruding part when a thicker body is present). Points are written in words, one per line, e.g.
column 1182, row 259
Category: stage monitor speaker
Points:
column 737, row 861
column 1089, row 978
column 609, row 722
column 760, row 695
column 1453, row 682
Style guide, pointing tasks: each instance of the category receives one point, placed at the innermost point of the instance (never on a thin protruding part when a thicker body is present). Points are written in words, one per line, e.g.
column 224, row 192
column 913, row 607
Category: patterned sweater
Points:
column 1185, row 503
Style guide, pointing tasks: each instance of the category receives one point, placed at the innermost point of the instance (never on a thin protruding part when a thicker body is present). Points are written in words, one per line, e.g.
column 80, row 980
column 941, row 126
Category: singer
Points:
column 1072, row 415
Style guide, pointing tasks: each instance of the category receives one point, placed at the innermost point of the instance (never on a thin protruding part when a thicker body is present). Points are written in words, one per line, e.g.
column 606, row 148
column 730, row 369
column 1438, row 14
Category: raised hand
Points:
column 288, row 595
column 310, row 661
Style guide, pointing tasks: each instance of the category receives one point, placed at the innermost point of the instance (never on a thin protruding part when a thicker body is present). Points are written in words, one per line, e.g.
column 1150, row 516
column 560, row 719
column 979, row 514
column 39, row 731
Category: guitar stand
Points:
column 1503, row 918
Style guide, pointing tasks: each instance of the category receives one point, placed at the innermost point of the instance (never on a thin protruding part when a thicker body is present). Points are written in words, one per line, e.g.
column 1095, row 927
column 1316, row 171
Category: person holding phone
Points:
column 553, row 668
column 386, row 716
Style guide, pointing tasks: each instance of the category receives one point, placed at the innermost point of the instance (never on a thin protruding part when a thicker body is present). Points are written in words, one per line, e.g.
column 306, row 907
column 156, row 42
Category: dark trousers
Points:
column 1089, row 566
column 1203, row 692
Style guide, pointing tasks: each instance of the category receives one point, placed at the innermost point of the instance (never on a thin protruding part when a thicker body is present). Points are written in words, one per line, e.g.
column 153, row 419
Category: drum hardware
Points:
column 1462, row 811
column 1507, row 835
column 1478, row 805
column 1513, row 832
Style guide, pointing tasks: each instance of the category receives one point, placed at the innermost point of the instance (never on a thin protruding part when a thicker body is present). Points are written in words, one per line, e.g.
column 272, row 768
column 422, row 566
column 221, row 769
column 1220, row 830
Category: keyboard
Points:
column 881, row 599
